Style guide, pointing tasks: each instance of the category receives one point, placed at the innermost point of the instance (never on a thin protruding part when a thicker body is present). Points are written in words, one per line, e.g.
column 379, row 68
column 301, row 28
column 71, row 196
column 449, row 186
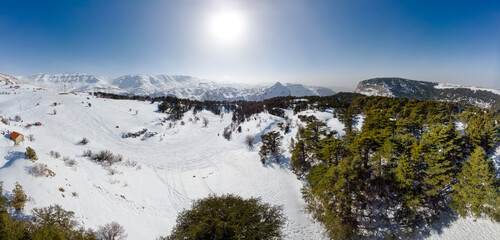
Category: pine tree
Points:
column 442, row 152
column 478, row 190
column 271, row 144
column 300, row 160
column 31, row 154
column 19, row 198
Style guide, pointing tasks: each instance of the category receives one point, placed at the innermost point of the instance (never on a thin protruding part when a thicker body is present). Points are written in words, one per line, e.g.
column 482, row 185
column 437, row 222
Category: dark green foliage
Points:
column 300, row 158
column 401, row 169
column 477, row 191
column 47, row 223
column 31, row 154
column 18, row 198
column 229, row 217
column 271, row 145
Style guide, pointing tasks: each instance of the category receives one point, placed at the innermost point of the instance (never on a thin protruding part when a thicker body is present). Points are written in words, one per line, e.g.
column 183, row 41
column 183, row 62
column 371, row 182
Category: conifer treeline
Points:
column 408, row 164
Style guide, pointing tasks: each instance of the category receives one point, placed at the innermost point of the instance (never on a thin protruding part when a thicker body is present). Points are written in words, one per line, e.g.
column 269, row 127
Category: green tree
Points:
column 442, row 151
column 31, row 154
column 271, row 144
column 229, row 217
column 300, row 159
column 19, row 198
column 477, row 192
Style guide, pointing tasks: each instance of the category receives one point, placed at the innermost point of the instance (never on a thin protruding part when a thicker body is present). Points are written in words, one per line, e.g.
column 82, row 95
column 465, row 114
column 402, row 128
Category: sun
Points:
column 227, row 27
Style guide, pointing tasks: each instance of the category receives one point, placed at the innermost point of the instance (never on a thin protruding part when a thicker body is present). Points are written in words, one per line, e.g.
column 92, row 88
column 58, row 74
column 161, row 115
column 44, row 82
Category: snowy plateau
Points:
column 162, row 174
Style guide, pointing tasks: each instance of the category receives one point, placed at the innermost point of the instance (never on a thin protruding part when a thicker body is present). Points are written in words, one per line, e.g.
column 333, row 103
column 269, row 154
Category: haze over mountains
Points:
column 175, row 85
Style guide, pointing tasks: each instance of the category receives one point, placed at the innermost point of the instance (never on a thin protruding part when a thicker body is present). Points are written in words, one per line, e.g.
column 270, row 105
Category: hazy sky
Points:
column 331, row 43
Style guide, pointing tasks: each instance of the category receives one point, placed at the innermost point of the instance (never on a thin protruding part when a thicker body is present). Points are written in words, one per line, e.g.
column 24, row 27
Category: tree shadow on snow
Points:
column 11, row 157
column 445, row 220
column 282, row 163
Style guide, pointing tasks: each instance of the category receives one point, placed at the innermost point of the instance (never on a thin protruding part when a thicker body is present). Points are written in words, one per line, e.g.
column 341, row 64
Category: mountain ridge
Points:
column 414, row 89
column 181, row 86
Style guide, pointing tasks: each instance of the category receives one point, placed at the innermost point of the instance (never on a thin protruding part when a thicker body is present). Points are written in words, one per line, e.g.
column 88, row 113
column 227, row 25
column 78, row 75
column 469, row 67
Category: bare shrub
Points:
column 52, row 153
column 31, row 138
column 227, row 133
column 55, row 112
column 106, row 157
column 111, row 231
column 57, row 154
column 205, row 121
column 84, row 141
column 130, row 163
column 41, row 170
column 17, row 118
column 70, row 163
column 66, row 158
column 87, row 153
column 5, row 121
column 249, row 139
column 28, row 126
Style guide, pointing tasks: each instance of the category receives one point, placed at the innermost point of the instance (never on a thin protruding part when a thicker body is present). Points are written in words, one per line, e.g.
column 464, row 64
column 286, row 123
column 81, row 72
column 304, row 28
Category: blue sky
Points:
column 320, row 42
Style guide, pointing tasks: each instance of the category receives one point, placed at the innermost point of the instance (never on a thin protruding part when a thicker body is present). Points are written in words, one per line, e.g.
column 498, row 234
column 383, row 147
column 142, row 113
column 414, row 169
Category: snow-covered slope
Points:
column 175, row 85
column 179, row 164
column 174, row 167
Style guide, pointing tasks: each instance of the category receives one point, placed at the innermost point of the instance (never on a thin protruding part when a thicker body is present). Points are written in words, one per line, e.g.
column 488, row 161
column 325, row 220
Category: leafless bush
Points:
column 182, row 123
column 55, row 112
column 227, row 133
column 17, row 118
column 66, row 158
column 57, row 154
column 130, row 163
column 111, row 231
column 5, row 121
column 205, row 121
column 196, row 119
column 54, row 104
column 28, row 126
column 31, row 138
column 84, row 141
column 70, row 163
column 249, row 139
column 106, row 157
column 87, row 153
column 41, row 170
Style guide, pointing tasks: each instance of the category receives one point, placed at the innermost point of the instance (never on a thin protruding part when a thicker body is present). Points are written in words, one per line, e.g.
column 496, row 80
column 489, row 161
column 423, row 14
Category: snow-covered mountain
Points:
column 412, row 89
column 175, row 85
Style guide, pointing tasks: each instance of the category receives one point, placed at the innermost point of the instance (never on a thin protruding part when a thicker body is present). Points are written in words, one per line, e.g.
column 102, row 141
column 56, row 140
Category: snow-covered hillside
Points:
column 175, row 85
column 163, row 170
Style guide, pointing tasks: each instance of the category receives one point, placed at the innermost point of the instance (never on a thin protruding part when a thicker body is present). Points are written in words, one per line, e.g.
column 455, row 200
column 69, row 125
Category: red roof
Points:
column 14, row 135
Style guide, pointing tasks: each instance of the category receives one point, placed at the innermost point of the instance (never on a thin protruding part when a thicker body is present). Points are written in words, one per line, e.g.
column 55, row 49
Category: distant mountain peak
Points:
column 182, row 86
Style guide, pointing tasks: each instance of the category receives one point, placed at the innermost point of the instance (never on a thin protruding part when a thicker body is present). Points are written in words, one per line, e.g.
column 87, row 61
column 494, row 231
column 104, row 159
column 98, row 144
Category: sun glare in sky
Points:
column 227, row 27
